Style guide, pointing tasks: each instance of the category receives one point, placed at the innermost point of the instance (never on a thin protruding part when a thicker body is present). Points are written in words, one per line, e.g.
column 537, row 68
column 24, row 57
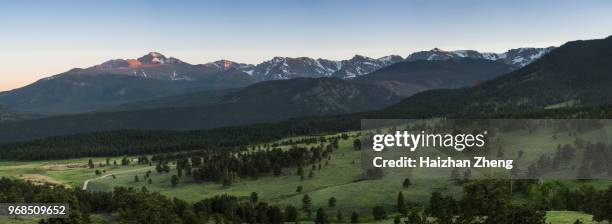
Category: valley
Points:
column 340, row 176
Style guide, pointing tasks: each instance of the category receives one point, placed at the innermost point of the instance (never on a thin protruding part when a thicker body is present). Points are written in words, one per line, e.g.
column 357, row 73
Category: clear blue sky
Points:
column 42, row 38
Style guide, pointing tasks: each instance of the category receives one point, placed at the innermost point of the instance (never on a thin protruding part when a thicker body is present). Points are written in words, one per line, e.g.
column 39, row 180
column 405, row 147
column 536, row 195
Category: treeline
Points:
column 226, row 166
column 491, row 201
column 483, row 201
column 596, row 160
column 141, row 206
column 134, row 142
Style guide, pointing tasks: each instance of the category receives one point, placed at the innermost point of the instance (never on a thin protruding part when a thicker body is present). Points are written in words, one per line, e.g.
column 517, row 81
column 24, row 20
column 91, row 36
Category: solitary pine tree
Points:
column 174, row 180
column 406, row 183
column 331, row 202
column 357, row 144
column 402, row 208
column 306, row 203
column 254, row 197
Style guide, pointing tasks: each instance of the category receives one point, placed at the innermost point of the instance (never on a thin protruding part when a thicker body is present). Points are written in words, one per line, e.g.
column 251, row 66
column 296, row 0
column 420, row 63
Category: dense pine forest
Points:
column 134, row 142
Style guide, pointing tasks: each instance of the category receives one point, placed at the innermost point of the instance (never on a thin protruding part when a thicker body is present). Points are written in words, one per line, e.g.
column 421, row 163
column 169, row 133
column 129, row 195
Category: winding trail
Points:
column 86, row 183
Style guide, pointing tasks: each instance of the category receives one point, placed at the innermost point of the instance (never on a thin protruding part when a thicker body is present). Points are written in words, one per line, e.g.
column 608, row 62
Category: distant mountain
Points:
column 287, row 68
column 270, row 101
column 223, row 65
column 403, row 78
column 409, row 77
column 262, row 102
column 517, row 57
column 157, row 66
column 73, row 93
column 575, row 74
column 280, row 68
column 361, row 65
column 121, row 81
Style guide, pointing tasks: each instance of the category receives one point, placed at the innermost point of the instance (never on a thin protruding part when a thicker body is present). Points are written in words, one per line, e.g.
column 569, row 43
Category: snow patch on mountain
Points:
column 287, row 68
column 518, row 57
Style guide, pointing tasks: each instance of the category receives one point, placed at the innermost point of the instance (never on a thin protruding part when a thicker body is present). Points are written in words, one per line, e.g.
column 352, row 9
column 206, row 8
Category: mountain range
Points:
column 518, row 57
column 288, row 68
column 159, row 92
column 268, row 101
column 118, row 82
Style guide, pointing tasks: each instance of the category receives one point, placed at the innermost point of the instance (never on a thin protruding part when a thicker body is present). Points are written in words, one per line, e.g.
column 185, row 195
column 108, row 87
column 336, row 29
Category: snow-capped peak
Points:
column 153, row 58
column 287, row 68
column 518, row 57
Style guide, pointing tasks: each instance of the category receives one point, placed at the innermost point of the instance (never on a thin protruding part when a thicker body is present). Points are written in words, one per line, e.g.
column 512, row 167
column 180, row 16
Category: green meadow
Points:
column 340, row 177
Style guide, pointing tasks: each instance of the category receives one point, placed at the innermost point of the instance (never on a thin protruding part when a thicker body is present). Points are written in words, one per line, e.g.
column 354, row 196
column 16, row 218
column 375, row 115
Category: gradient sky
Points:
column 43, row 38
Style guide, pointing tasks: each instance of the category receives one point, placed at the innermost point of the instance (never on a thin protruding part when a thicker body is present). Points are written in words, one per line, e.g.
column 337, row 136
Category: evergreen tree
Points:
column 274, row 214
column 442, row 207
column 306, row 204
column 331, row 202
column 455, row 176
column 379, row 213
column 603, row 207
column 174, row 180
column 354, row 217
column 357, row 144
column 321, row 217
column 159, row 168
column 339, row 217
column 467, row 175
column 414, row 217
column 402, row 208
column 397, row 220
column 291, row 213
column 406, row 183
column 254, row 197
